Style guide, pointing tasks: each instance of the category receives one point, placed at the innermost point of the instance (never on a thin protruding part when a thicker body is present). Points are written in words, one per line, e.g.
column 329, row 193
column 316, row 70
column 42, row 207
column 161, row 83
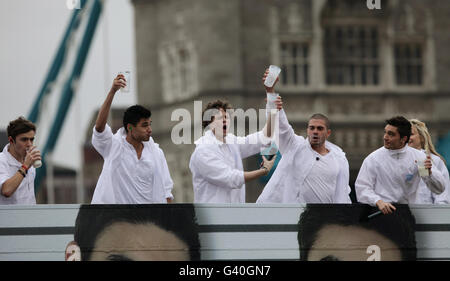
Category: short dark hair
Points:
column 179, row 219
column 19, row 126
column 321, row 116
column 399, row 226
column 217, row 104
column 402, row 124
column 134, row 114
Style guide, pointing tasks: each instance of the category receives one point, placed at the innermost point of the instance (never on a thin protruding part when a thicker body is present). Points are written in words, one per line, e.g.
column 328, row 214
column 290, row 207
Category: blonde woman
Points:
column 421, row 139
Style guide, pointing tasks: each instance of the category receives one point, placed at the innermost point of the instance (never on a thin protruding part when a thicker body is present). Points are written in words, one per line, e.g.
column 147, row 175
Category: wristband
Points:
column 265, row 168
column 21, row 172
column 25, row 168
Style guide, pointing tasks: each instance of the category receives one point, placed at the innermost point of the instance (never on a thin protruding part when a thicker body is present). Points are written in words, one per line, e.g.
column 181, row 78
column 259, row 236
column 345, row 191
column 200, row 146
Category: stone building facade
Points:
column 356, row 65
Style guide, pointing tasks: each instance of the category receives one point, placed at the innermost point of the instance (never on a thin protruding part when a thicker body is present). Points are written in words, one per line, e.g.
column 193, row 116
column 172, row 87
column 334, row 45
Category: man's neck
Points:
column 321, row 149
column 398, row 148
column 13, row 152
column 219, row 137
column 138, row 145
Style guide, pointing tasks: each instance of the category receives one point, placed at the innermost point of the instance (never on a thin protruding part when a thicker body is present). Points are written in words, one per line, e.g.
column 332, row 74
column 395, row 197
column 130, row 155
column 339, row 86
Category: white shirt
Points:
column 217, row 171
column 425, row 196
column 299, row 178
column 24, row 194
column 125, row 179
column 392, row 176
column 320, row 183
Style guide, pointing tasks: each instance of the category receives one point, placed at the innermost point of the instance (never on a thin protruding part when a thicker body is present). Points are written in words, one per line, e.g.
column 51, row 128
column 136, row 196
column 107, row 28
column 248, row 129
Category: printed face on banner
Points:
column 357, row 232
column 352, row 243
column 155, row 232
column 141, row 242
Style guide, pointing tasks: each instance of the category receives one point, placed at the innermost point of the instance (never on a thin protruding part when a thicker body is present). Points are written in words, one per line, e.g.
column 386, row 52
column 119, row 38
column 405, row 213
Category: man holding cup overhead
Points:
column 135, row 169
column 312, row 170
column 17, row 164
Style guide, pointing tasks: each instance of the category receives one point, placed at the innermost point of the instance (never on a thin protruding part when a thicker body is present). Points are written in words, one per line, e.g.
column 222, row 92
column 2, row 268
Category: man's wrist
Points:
column 265, row 170
column 21, row 172
column 25, row 167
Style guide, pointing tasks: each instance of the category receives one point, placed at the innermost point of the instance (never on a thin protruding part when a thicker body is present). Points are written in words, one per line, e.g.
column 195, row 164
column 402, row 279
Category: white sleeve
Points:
column 215, row 171
column 342, row 192
column 365, row 183
column 444, row 197
column 251, row 144
column 4, row 176
column 286, row 136
column 102, row 142
column 167, row 180
column 435, row 182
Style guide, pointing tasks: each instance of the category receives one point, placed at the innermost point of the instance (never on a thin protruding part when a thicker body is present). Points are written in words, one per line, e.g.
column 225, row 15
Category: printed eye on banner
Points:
column 374, row 4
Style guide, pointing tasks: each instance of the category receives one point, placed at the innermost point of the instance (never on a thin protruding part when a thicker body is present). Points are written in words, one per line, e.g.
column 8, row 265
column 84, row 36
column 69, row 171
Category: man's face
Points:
column 221, row 123
column 392, row 138
column 415, row 139
column 352, row 243
column 22, row 143
column 317, row 132
column 144, row 242
column 142, row 131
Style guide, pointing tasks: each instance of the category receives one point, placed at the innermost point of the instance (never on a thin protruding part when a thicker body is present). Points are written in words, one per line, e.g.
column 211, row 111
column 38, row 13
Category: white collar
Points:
column 397, row 152
column 394, row 152
column 123, row 135
column 10, row 158
column 332, row 148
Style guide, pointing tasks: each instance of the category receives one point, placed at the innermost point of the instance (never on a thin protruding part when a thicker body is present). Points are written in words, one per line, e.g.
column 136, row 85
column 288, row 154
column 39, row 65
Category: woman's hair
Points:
column 425, row 137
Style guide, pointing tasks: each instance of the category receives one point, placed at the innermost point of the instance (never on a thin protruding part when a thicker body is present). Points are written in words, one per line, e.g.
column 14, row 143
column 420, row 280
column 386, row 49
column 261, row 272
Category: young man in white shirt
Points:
column 16, row 171
column 135, row 169
column 390, row 173
column 312, row 170
column 218, row 175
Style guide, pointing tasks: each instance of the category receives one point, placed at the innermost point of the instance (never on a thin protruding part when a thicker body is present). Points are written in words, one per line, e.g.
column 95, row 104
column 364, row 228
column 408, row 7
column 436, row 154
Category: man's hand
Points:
column 119, row 82
column 385, row 208
column 428, row 164
column 269, row 89
column 32, row 155
column 268, row 164
column 279, row 103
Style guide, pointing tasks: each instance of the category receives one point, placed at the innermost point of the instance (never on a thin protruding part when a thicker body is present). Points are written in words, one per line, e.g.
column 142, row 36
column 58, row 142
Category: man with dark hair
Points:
column 135, row 169
column 390, row 173
column 218, row 175
column 350, row 232
column 16, row 171
column 312, row 170
column 135, row 232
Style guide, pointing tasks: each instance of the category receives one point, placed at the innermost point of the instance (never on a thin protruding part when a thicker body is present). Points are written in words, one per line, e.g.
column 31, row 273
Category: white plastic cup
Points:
column 423, row 172
column 272, row 76
column 37, row 164
column 127, row 75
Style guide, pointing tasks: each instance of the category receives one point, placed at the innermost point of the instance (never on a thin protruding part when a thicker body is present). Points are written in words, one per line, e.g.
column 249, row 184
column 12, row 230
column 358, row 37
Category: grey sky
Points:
column 30, row 33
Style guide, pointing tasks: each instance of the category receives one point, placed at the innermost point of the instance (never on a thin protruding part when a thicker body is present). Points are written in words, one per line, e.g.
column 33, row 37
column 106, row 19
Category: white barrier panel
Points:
column 225, row 231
